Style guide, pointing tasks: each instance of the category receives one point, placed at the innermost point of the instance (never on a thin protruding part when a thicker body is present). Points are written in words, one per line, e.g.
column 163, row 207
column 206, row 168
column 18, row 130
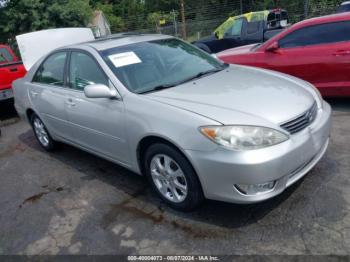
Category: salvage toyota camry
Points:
column 195, row 127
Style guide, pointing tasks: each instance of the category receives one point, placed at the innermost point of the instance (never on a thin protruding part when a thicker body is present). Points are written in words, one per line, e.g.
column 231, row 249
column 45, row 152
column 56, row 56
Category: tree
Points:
column 22, row 16
column 154, row 20
column 116, row 22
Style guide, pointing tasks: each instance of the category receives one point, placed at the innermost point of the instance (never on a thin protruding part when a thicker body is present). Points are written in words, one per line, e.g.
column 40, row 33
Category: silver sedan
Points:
column 195, row 127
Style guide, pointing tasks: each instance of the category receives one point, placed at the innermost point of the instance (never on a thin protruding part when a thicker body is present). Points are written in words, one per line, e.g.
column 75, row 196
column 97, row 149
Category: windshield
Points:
column 5, row 55
column 150, row 66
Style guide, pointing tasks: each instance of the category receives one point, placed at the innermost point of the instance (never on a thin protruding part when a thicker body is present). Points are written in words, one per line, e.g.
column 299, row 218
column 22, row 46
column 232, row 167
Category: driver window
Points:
column 83, row 71
column 235, row 29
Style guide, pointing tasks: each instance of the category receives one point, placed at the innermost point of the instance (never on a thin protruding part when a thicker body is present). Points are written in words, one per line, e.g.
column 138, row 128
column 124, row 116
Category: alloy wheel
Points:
column 168, row 178
column 41, row 132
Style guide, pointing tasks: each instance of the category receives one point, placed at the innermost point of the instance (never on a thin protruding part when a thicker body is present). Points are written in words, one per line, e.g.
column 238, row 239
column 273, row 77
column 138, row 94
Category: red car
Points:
column 316, row 50
column 10, row 69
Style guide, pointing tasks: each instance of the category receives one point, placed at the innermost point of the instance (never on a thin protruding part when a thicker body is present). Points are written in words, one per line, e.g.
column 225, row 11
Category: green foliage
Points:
column 153, row 19
column 317, row 6
column 22, row 16
column 116, row 22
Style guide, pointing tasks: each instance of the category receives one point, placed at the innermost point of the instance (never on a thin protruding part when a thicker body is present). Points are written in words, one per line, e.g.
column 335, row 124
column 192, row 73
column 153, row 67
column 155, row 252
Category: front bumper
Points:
column 285, row 163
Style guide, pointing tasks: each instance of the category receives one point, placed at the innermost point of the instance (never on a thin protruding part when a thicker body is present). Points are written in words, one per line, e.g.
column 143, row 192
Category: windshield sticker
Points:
column 124, row 59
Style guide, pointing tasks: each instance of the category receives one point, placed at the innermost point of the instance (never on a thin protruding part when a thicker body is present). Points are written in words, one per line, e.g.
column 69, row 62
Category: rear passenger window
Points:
column 318, row 34
column 83, row 71
column 253, row 27
column 51, row 71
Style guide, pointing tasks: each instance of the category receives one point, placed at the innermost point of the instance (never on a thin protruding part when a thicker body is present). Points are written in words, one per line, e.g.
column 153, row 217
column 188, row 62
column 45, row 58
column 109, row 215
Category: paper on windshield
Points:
column 124, row 59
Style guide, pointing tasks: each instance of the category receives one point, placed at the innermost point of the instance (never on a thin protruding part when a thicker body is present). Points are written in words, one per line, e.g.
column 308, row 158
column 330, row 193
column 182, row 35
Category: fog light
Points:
column 256, row 189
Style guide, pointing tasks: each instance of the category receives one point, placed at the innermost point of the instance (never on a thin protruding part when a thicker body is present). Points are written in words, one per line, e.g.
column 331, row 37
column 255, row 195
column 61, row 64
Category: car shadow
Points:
column 136, row 187
column 7, row 110
column 339, row 104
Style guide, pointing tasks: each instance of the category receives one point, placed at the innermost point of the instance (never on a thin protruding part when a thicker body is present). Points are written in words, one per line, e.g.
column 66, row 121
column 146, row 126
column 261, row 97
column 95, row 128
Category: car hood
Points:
column 239, row 95
column 49, row 40
column 237, row 51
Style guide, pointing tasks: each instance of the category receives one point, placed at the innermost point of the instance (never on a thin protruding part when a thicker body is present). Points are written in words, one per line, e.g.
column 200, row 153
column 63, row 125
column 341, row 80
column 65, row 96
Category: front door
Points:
column 97, row 124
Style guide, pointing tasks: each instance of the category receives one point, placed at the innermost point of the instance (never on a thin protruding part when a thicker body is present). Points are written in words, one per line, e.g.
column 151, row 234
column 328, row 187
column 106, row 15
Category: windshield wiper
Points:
column 199, row 75
column 158, row 88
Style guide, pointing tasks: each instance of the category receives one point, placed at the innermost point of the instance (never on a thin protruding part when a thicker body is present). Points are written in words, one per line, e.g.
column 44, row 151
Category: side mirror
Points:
column 99, row 91
column 273, row 48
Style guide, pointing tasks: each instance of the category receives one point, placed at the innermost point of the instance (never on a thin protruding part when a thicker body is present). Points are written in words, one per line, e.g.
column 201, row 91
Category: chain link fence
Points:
column 203, row 17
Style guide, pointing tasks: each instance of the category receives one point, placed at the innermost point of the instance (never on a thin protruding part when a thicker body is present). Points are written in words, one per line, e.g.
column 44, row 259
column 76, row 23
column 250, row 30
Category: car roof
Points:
column 123, row 39
column 322, row 20
column 345, row 3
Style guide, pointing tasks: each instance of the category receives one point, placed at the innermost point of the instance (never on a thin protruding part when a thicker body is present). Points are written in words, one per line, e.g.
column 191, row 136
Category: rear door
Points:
column 253, row 32
column 47, row 92
column 319, row 54
column 97, row 124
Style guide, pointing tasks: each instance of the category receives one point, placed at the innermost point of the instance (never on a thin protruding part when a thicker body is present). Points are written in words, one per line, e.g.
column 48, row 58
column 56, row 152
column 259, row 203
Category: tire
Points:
column 41, row 134
column 172, row 177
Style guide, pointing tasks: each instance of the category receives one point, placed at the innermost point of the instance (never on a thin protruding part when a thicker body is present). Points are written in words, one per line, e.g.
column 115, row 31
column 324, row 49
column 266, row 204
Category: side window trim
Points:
column 68, row 67
column 42, row 63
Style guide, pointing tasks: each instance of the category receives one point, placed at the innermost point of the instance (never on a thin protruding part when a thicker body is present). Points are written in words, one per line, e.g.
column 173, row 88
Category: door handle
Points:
column 34, row 94
column 342, row 53
column 70, row 102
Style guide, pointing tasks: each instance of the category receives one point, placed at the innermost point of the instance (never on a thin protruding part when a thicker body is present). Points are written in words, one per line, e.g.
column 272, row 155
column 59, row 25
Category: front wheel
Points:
column 172, row 177
column 41, row 134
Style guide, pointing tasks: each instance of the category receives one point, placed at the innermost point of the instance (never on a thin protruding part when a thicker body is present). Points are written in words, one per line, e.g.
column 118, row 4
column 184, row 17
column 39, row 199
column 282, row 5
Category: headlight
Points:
column 244, row 137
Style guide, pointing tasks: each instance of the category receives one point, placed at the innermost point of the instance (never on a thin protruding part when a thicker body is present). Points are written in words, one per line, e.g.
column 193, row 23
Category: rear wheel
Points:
column 41, row 134
column 172, row 177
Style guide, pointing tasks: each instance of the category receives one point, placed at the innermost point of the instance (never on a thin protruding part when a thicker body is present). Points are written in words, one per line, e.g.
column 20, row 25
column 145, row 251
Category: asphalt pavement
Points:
column 71, row 202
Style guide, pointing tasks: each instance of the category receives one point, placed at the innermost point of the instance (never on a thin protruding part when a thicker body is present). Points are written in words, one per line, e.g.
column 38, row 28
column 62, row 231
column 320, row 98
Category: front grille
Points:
column 302, row 121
